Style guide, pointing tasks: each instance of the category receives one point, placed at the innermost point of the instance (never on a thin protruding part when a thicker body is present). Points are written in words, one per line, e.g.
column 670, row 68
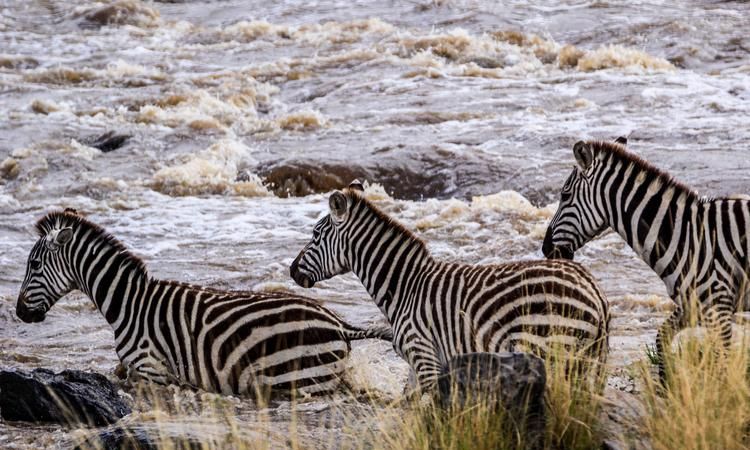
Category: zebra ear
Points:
column 58, row 238
column 356, row 185
column 339, row 206
column 622, row 140
column 584, row 155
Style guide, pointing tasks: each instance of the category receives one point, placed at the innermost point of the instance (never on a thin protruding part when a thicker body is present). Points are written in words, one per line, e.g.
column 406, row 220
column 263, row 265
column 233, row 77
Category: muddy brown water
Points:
column 242, row 115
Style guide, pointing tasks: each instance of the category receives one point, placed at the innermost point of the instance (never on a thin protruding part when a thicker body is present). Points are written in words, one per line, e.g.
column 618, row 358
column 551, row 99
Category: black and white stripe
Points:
column 698, row 246
column 169, row 332
column 440, row 309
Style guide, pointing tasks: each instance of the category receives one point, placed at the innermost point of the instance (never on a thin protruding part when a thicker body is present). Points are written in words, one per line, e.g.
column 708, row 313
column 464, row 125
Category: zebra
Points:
column 699, row 246
column 439, row 309
column 168, row 332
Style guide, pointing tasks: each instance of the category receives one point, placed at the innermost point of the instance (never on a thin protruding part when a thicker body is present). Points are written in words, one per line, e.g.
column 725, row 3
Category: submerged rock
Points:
column 69, row 397
column 107, row 142
column 513, row 382
column 301, row 178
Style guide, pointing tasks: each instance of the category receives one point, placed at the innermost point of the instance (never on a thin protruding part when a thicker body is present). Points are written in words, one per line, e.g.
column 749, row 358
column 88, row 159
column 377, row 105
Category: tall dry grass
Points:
column 706, row 405
column 573, row 405
column 706, row 401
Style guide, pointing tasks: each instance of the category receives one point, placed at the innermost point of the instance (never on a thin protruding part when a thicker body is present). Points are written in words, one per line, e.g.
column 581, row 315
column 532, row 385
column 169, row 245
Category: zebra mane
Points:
column 357, row 197
column 619, row 152
column 70, row 218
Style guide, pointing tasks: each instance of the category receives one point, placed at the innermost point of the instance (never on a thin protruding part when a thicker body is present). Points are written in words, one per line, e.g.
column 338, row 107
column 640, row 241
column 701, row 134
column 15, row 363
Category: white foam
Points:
column 212, row 171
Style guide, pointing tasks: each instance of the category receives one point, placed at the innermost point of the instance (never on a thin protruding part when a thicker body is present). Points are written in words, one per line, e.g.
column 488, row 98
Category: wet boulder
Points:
column 513, row 383
column 68, row 397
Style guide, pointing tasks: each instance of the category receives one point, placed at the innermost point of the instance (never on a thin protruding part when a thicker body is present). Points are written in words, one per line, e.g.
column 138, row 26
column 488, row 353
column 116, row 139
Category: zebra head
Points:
column 325, row 256
column 579, row 217
column 47, row 276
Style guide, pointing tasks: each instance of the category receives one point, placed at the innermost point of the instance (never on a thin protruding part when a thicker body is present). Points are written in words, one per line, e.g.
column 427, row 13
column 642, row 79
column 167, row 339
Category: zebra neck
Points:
column 111, row 278
column 653, row 217
column 388, row 265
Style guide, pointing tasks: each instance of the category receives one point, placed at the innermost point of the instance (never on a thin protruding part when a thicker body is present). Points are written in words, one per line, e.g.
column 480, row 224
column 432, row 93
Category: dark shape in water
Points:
column 513, row 382
column 69, row 397
column 297, row 179
column 108, row 141
column 136, row 438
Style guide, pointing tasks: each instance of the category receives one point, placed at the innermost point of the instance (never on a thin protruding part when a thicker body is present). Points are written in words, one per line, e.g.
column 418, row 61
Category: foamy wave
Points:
column 511, row 201
column 232, row 104
column 302, row 121
column 115, row 74
column 509, row 54
column 45, row 106
column 79, row 150
column 119, row 12
column 455, row 52
column 300, row 68
column 341, row 32
column 316, row 34
column 213, row 171
column 251, row 30
column 617, row 56
column 447, row 211
column 387, row 382
column 376, row 192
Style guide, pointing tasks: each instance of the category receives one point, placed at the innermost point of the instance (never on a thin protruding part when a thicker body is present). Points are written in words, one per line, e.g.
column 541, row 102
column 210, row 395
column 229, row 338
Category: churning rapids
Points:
column 241, row 115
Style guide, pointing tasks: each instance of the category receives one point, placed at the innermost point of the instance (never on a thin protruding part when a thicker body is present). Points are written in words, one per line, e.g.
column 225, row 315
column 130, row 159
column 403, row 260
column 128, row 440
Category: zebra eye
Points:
column 35, row 264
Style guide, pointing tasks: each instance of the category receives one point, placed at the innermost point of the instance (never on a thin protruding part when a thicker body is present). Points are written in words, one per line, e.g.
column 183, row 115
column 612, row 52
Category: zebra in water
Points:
column 698, row 246
column 440, row 309
column 170, row 332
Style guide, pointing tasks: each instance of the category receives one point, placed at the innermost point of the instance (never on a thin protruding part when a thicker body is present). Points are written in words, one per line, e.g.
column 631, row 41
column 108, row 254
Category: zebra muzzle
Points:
column 298, row 275
column 29, row 315
column 552, row 251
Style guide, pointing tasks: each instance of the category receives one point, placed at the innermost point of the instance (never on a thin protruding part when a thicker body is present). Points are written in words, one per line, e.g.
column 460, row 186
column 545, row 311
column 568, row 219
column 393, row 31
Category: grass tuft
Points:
column 573, row 404
column 706, row 403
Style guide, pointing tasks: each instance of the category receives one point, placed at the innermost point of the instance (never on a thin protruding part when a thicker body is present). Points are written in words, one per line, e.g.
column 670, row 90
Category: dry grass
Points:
column 574, row 404
column 706, row 404
column 573, row 407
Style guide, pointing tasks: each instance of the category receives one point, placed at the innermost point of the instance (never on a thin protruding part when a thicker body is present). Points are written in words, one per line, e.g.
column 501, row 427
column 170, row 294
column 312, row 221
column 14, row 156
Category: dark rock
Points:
column 108, row 141
column 298, row 179
column 513, row 382
column 69, row 397
column 138, row 438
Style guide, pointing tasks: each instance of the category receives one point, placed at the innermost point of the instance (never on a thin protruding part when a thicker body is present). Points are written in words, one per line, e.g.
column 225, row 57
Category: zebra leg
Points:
column 669, row 329
column 426, row 369
column 719, row 318
column 152, row 370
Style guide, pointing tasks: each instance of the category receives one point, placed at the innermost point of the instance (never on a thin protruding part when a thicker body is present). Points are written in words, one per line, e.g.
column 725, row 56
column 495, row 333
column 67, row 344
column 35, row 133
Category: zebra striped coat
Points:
column 439, row 309
column 169, row 332
column 699, row 246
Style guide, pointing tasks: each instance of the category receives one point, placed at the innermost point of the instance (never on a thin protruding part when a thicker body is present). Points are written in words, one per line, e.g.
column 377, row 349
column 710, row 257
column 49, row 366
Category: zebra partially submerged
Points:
column 700, row 247
column 170, row 332
column 440, row 309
